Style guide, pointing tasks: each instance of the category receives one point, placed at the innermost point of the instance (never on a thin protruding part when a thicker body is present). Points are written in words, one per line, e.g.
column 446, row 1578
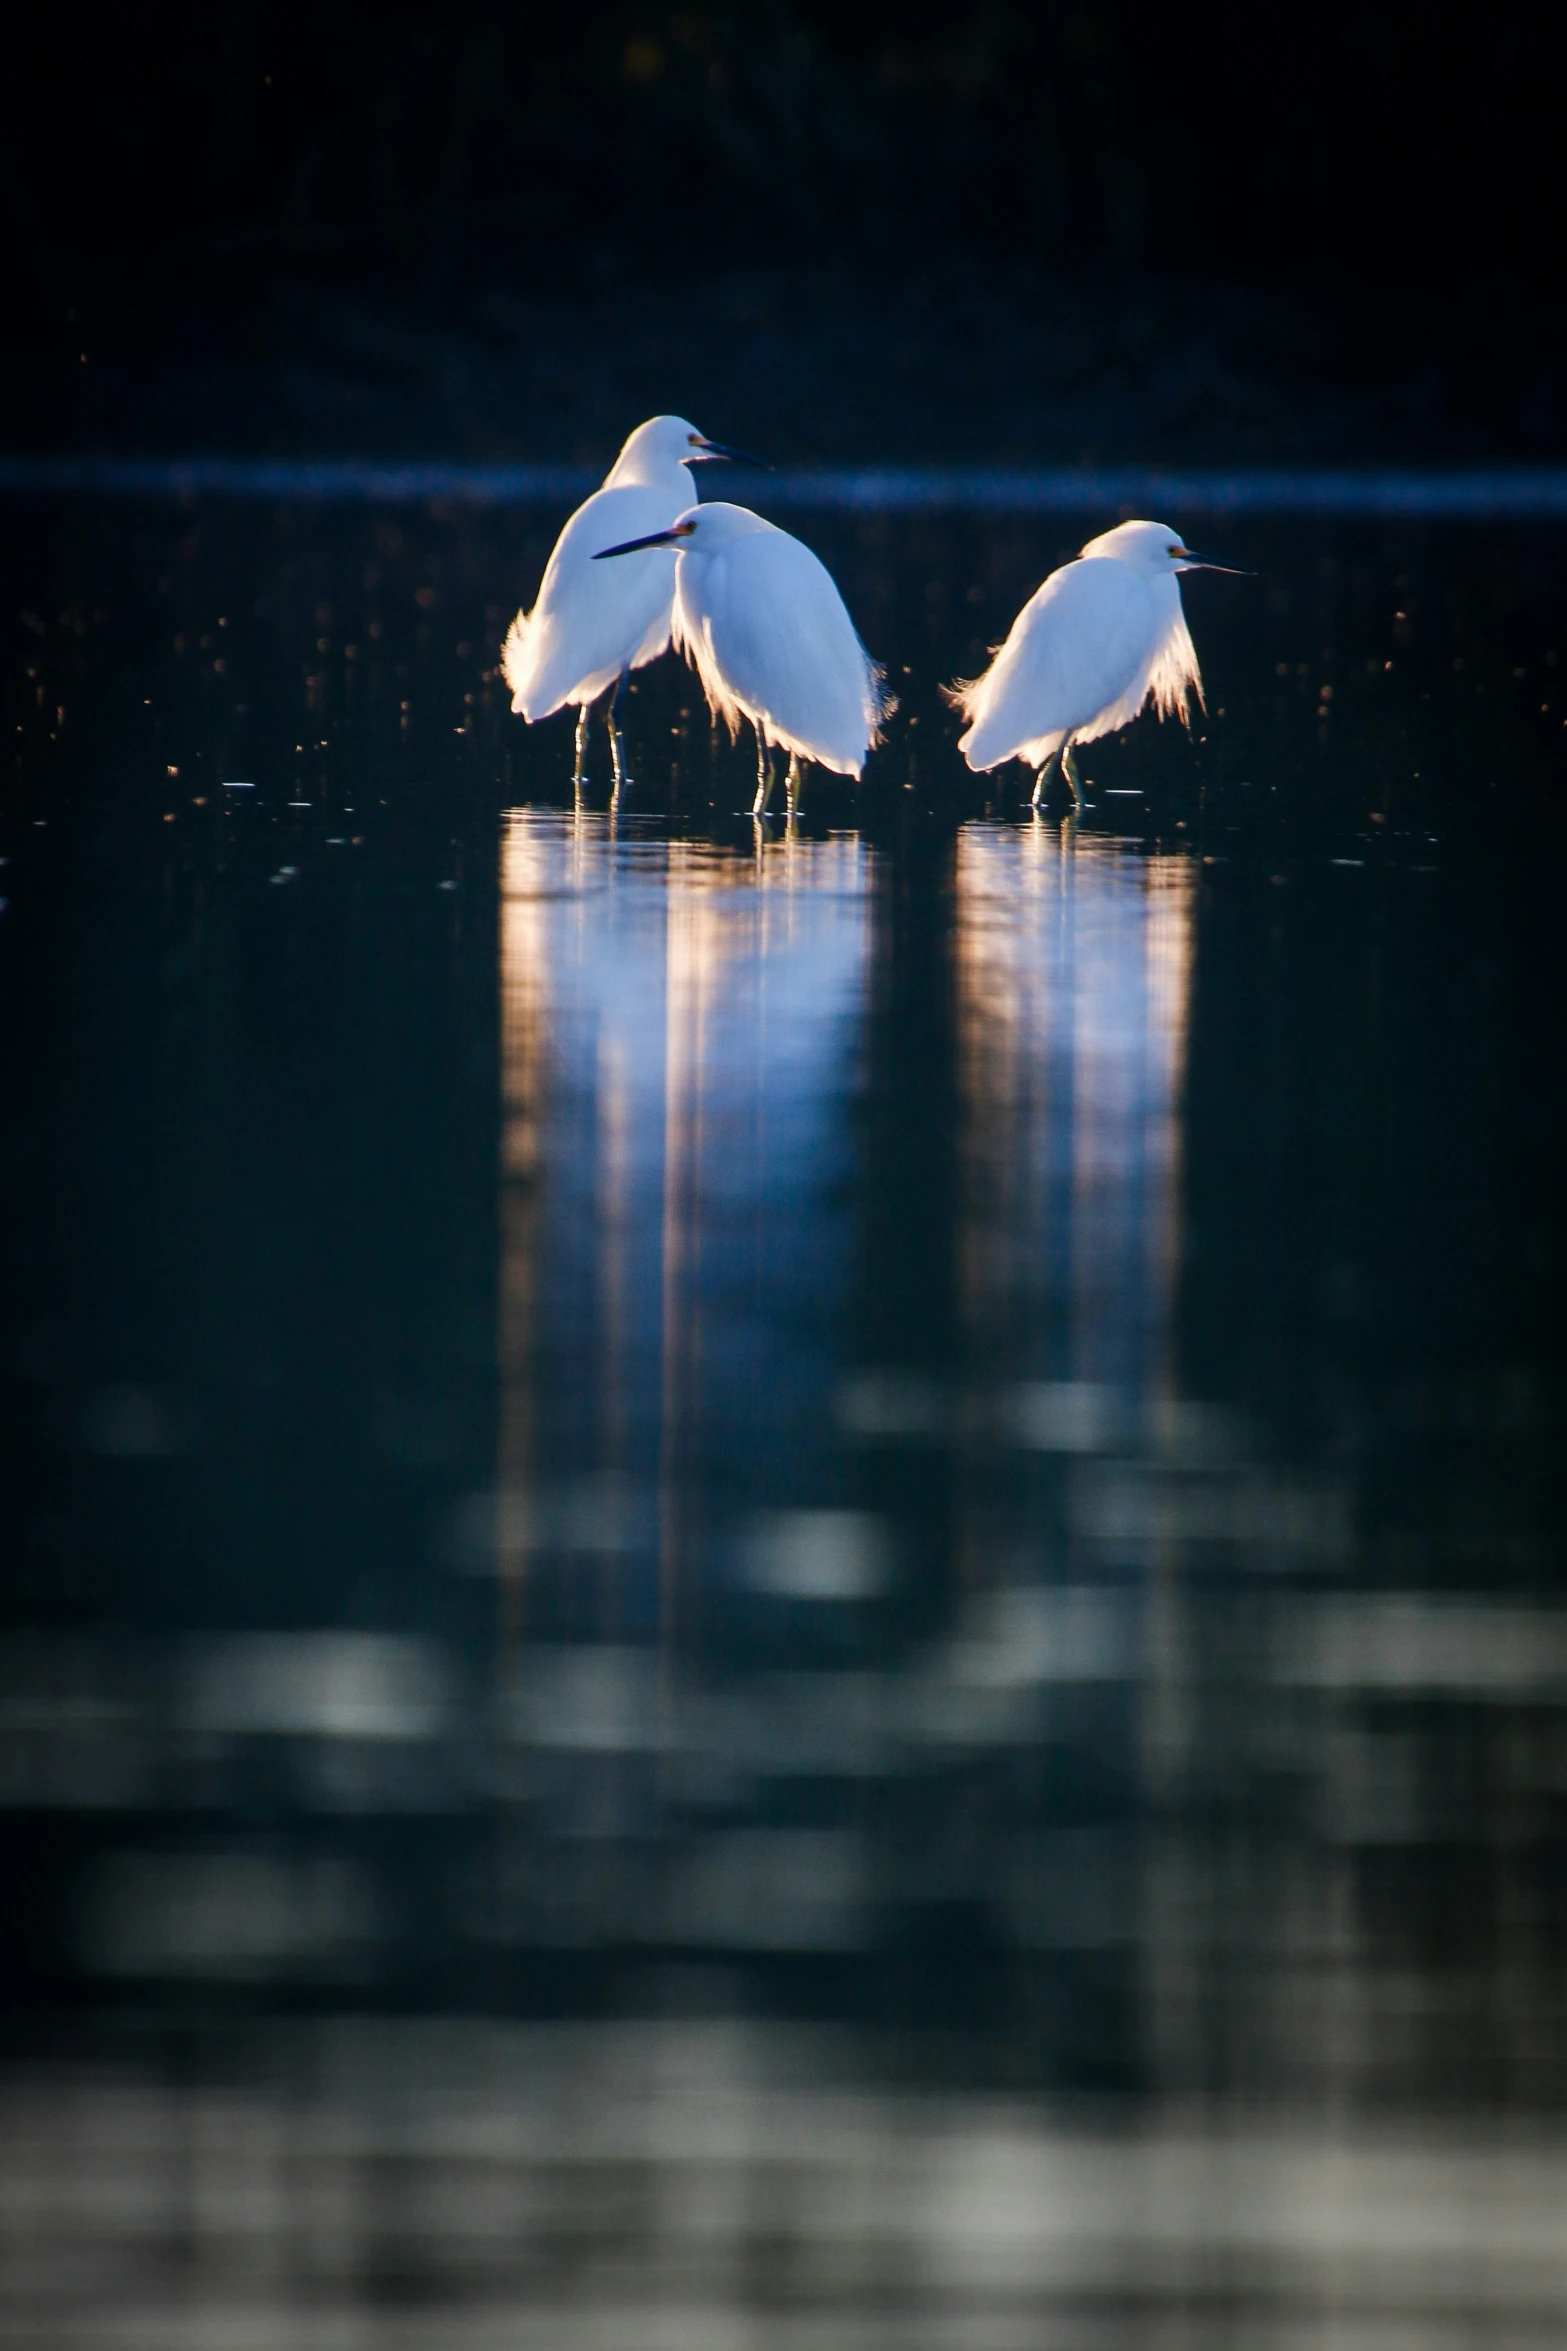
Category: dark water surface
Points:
column 804, row 1582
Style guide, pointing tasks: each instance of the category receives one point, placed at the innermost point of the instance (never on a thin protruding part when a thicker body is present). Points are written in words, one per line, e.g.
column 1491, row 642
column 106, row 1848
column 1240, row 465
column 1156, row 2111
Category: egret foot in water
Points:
column 1059, row 763
column 1042, row 779
column 579, row 765
column 794, row 784
column 764, row 777
column 617, row 747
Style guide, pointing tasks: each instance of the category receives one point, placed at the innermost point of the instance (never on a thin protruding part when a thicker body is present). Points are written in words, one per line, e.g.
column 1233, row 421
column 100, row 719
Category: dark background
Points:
column 1054, row 233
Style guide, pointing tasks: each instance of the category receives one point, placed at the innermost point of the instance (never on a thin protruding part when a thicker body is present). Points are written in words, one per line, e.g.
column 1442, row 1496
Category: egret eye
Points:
column 1175, row 550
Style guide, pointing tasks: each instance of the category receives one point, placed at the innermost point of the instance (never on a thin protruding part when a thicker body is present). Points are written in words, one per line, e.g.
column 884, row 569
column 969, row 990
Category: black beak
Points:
column 654, row 539
column 1194, row 562
column 705, row 451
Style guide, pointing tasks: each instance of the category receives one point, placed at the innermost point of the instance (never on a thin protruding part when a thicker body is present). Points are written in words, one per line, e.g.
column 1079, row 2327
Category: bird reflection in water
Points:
column 721, row 1759
column 674, row 1014
column 681, row 1040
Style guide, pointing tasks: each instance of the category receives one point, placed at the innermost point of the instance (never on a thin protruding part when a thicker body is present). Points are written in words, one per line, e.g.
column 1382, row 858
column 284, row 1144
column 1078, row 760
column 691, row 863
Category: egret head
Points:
column 1154, row 547
column 666, row 441
column 701, row 528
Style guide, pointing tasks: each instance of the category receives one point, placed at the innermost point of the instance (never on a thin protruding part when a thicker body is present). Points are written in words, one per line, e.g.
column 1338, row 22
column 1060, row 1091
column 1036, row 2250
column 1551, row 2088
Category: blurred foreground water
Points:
column 793, row 1586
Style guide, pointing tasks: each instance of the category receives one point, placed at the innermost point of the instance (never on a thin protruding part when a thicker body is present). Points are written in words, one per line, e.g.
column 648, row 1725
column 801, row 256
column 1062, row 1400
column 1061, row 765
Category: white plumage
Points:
column 760, row 619
column 1098, row 640
column 590, row 627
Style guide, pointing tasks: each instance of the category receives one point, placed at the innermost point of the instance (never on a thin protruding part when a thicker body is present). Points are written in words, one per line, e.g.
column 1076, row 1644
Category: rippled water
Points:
column 807, row 1580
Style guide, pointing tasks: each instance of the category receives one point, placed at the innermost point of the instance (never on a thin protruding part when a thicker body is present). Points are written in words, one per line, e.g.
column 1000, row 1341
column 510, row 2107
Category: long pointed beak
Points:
column 1193, row 562
column 654, row 539
column 706, row 451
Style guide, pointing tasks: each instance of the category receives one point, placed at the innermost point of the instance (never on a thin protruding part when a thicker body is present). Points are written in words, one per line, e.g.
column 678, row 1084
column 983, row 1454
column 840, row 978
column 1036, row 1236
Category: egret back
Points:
column 594, row 620
column 1079, row 661
column 769, row 635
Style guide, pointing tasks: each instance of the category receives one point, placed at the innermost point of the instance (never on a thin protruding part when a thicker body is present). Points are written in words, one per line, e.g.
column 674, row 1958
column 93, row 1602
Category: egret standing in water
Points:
column 1088, row 649
column 761, row 621
column 590, row 629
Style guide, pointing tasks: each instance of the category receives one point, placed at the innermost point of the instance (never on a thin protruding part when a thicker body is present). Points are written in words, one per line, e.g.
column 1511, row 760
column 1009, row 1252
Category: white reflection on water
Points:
column 680, row 1026
column 682, row 2183
column 819, row 1555
column 321, row 1685
column 1074, row 962
column 678, row 1023
column 1166, row 1805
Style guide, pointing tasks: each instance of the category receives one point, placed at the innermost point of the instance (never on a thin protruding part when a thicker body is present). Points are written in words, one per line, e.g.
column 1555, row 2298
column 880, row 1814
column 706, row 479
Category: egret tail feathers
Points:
column 542, row 669
column 989, row 741
column 516, row 664
column 1175, row 679
column 880, row 702
column 545, row 670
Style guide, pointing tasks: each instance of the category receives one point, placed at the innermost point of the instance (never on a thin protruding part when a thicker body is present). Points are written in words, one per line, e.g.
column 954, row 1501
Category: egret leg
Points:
column 617, row 748
column 579, row 765
column 1069, row 770
column 795, row 782
column 764, row 776
column 1041, row 780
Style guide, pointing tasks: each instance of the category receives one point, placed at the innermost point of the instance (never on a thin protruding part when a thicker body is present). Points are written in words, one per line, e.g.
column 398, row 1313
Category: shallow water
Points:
column 913, row 1456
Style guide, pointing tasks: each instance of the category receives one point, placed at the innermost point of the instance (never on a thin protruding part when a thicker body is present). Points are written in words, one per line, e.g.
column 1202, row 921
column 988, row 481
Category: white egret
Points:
column 1087, row 651
column 760, row 619
column 589, row 630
